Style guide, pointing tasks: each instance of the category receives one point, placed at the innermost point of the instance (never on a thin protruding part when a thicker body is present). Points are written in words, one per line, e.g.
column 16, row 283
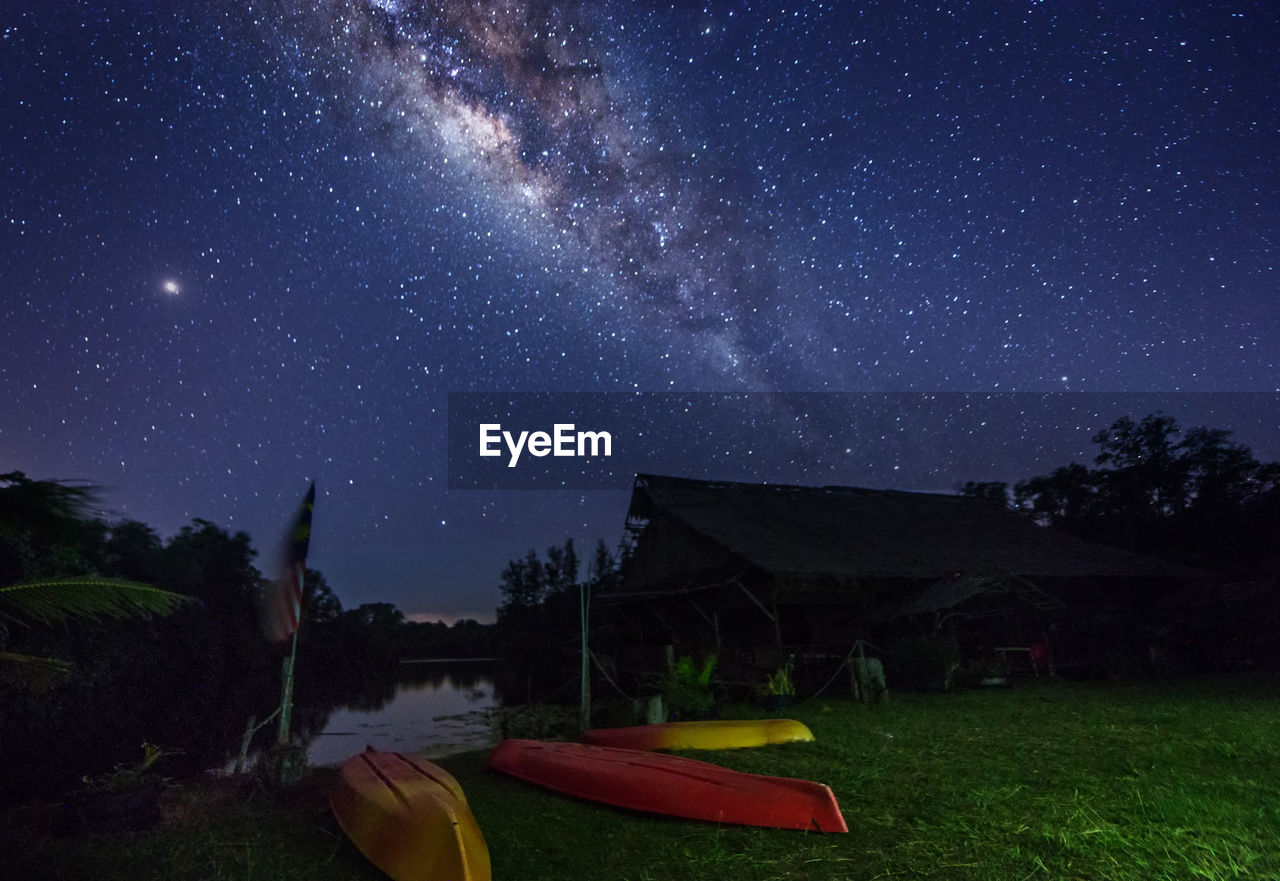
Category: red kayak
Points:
column 663, row 784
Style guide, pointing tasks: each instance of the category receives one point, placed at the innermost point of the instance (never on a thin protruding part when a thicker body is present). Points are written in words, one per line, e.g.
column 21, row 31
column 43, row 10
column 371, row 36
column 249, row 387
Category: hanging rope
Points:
column 607, row 677
column 858, row 644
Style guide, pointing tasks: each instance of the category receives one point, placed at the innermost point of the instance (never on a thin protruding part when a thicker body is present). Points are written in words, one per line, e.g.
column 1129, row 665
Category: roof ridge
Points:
column 799, row 487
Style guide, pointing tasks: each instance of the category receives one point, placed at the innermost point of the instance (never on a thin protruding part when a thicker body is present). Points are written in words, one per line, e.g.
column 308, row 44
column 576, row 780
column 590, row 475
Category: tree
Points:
column 1065, row 498
column 561, row 569
column 539, row 616
column 319, row 603
column 42, row 523
column 378, row 615
column 1220, row 473
column 602, row 571
column 214, row 565
column 133, row 550
column 223, row 636
column 1203, row 499
column 52, row 508
column 523, row 588
column 989, row 490
column 1145, row 477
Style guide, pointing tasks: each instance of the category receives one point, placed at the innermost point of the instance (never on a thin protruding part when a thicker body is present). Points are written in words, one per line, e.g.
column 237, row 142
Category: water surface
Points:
column 416, row 718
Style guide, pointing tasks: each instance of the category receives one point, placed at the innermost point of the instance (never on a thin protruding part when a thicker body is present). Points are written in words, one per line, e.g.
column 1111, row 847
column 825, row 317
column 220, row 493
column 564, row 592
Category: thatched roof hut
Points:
column 821, row 564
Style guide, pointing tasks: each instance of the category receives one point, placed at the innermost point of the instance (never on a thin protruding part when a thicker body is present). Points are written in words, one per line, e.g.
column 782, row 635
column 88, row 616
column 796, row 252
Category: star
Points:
column 385, row 202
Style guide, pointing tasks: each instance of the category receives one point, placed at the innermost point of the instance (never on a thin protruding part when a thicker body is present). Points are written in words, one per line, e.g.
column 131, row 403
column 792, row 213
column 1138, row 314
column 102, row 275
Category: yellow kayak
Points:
column 410, row 818
column 712, row 734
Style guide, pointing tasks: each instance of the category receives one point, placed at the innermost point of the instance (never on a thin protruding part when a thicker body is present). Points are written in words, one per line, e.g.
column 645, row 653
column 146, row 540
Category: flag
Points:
column 284, row 598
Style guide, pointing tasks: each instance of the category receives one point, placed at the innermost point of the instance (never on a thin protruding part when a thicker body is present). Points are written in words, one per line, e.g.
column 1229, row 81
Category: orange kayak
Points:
column 410, row 818
column 671, row 785
column 713, row 734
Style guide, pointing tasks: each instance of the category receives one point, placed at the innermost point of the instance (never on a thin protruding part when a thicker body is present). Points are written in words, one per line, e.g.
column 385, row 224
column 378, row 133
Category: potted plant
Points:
column 127, row 797
column 778, row 690
column 687, row 689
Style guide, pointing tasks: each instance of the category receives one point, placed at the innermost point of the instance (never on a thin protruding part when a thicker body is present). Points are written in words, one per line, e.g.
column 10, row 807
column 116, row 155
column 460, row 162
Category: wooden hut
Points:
column 756, row 572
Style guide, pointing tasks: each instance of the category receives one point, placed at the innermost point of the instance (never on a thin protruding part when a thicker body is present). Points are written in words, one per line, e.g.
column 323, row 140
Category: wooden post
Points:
column 286, row 699
column 584, row 609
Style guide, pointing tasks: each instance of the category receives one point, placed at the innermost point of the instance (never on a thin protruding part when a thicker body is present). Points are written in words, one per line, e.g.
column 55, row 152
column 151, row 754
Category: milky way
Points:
column 531, row 102
column 823, row 197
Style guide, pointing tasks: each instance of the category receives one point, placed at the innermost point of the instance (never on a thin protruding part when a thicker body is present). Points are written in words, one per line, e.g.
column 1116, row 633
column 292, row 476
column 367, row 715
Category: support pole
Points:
column 759, row 605
column 713, row 619
column 286, row 699
column 584, row 609
column 249, row 728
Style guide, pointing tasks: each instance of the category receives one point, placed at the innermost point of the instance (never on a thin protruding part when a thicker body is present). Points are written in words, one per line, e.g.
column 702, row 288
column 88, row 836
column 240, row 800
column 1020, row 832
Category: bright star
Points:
column 171, row 287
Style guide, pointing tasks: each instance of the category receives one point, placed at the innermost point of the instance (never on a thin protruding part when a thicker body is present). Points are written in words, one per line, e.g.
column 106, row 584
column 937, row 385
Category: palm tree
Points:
column 56, row 600
column 48, row 515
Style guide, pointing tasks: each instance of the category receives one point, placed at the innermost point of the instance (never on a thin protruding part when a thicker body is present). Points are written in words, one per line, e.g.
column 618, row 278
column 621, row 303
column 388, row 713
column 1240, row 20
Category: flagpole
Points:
column 286, row 699
column 282, row 617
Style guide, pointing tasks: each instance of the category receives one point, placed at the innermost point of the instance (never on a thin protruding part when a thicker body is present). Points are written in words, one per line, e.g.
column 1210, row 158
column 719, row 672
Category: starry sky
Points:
column 247, row 245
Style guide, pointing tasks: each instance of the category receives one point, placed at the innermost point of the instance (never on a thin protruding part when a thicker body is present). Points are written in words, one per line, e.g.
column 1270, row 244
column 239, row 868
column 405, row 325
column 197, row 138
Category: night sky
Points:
column 250, row 245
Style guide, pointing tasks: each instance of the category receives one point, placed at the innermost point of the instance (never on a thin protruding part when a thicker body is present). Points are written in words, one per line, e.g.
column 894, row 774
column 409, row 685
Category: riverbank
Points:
column 1123, row 781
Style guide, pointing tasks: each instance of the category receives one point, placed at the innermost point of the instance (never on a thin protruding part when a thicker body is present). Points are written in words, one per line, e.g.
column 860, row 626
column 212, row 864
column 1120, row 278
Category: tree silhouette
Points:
column 523, row 587
column 319, row 603
column 383, row 616
column 1202, row 498
column 1066, row 498
column 987, row 490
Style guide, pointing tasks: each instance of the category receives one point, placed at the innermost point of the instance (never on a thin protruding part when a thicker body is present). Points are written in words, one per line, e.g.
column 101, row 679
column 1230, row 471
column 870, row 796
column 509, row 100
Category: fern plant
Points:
column 687, row 690
column 53, row 601
column 779, row 682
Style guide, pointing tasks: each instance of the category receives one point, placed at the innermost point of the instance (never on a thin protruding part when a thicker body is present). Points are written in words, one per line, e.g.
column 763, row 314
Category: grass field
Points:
column 1141, row 781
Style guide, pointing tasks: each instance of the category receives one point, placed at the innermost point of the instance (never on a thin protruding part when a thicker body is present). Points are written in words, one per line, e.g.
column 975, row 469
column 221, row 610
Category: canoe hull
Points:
column 713, row 734
column 670, row 785
column 409, row 817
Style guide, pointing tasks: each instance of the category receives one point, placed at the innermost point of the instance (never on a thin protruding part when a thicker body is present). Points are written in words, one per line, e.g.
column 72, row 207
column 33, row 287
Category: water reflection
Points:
column 409, row 708
column 411, row 715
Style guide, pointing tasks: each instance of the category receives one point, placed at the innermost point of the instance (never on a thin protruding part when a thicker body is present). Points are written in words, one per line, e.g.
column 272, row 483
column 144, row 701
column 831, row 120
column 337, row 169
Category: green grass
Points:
column 1102, row 781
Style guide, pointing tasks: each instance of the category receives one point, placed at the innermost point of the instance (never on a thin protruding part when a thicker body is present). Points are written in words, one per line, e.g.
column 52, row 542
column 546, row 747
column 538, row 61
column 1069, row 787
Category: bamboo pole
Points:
column 584, row 609
column 286, row 700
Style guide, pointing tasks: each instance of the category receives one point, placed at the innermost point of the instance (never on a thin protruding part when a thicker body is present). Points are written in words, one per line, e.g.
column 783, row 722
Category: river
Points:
column 419, row 718
column 430, row 707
